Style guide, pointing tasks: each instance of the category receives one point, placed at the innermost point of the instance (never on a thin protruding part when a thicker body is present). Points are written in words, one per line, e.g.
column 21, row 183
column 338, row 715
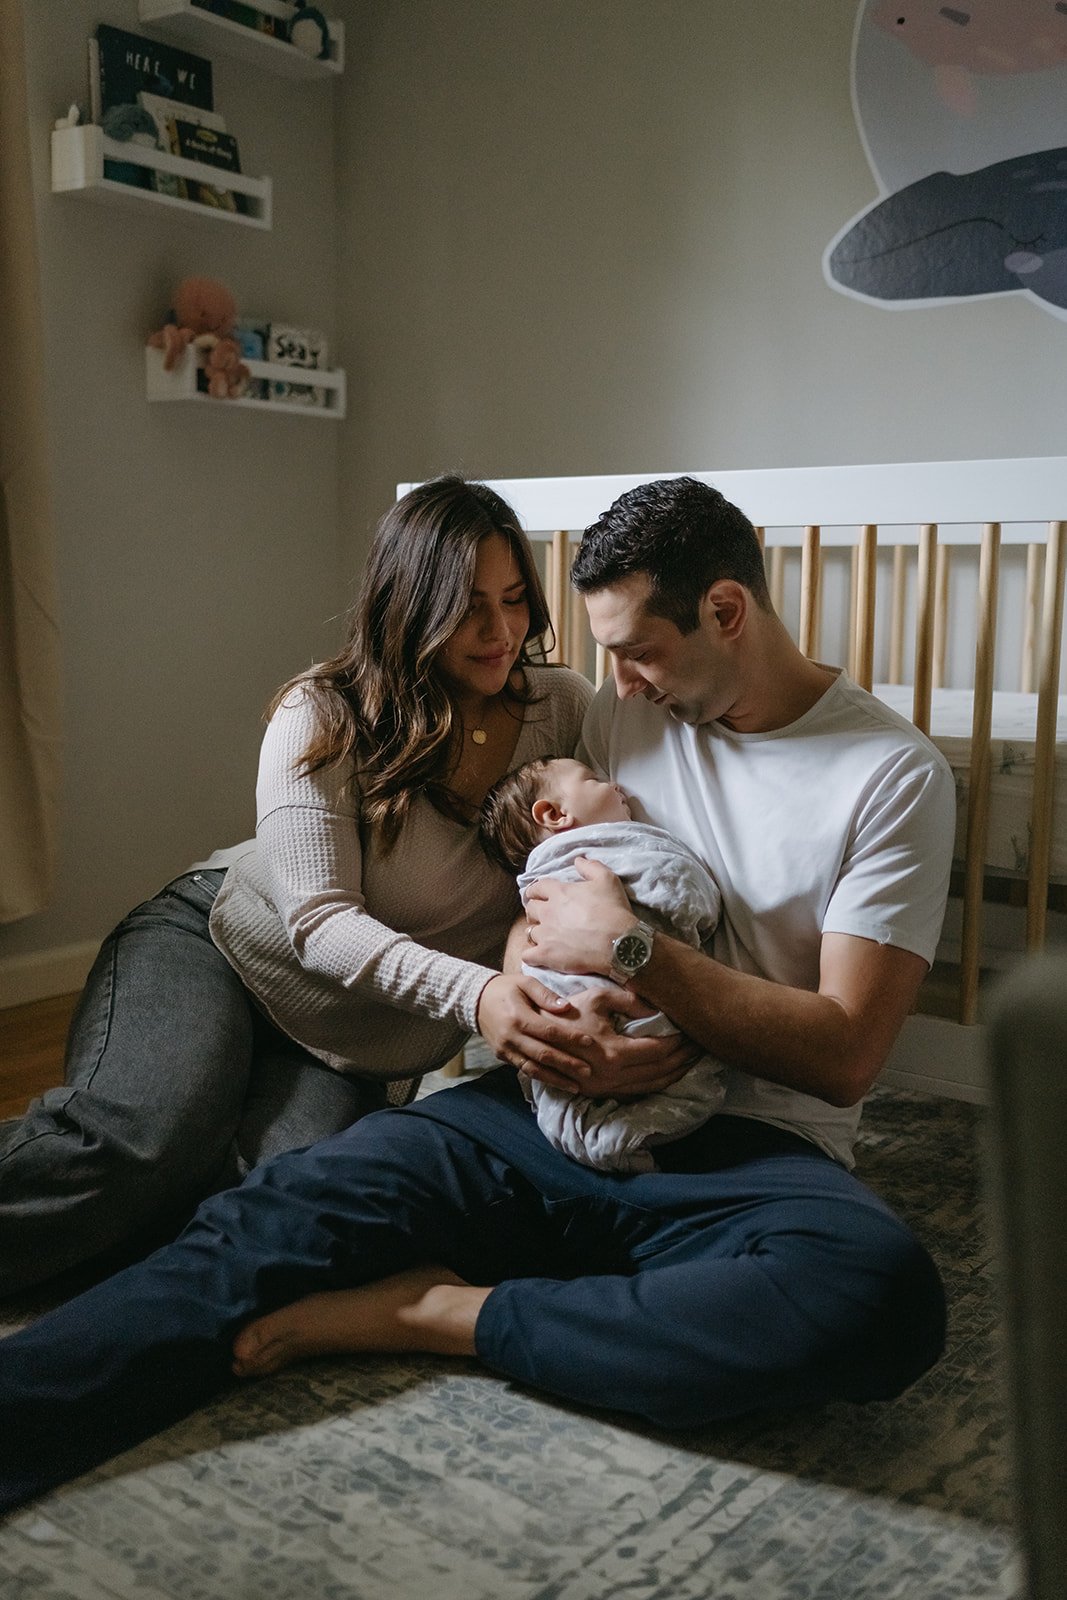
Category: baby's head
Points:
column 545, row 797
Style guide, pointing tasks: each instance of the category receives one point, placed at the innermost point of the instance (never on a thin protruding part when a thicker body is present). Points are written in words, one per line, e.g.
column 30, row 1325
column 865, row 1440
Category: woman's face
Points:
column 479, row 656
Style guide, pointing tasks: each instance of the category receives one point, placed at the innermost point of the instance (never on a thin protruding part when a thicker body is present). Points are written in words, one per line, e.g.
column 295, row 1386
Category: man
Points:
column 826, row 819
column 751, row 1269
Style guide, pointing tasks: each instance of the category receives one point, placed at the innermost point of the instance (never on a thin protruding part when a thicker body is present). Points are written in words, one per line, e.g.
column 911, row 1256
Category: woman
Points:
column 266, row 999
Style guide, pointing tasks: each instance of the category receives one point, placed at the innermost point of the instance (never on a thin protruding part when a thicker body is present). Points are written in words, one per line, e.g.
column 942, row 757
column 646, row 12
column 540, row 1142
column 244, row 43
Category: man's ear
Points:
column 548, row 815
column 725, row 606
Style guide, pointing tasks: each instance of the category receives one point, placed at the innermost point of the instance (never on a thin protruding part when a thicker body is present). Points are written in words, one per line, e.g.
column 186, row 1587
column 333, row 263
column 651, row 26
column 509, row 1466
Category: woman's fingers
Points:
column 518, row 1031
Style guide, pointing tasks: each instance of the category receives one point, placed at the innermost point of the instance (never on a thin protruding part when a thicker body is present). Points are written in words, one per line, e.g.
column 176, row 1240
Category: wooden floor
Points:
column 31, row 1050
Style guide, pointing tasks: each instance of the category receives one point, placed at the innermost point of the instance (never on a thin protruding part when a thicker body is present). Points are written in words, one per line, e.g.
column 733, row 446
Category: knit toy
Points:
column 310, row 32
column 203, row 316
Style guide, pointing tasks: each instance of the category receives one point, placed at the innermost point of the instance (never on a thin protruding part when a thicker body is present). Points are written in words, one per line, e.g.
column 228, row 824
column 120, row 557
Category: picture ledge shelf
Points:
column 180, row 384
column 79, row 153
column 192, row 25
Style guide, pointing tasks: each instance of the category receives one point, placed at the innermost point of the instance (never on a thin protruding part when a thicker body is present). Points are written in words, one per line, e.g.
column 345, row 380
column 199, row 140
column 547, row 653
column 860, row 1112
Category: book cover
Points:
column 248, row 16
column 129, row 63
column 297, row 347
column 126, row 64
column 164, row 112
column 215, row 148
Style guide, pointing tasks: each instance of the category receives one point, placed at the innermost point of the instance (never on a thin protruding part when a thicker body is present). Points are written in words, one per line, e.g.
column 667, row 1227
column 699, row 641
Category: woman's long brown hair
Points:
column 382, row 701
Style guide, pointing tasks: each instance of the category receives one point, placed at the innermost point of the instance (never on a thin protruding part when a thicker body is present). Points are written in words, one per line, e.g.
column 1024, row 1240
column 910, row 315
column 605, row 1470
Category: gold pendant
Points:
column 479, row 735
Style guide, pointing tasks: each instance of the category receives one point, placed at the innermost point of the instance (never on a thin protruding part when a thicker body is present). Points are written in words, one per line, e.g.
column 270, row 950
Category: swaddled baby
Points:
column 537, row 821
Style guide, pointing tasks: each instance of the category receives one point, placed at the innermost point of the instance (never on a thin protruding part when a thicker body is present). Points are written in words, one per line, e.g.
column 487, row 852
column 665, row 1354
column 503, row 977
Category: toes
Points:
column 252, row 1350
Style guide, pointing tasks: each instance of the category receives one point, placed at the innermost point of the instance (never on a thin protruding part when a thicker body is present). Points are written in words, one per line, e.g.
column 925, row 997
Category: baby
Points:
column 536, row 821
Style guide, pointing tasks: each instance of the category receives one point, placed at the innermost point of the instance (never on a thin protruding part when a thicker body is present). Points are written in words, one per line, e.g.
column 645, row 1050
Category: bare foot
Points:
column 426, row 1308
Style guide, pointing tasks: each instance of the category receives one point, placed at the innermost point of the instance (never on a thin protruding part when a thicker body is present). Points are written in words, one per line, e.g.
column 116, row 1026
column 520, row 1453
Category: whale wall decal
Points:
column 962, row 110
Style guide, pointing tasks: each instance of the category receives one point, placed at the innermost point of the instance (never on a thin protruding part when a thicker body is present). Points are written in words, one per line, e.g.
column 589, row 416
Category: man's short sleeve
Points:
column 894, row 878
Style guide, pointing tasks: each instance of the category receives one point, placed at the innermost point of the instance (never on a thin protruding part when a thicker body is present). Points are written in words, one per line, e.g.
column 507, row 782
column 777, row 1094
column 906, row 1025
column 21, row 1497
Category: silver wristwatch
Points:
column 631, row 951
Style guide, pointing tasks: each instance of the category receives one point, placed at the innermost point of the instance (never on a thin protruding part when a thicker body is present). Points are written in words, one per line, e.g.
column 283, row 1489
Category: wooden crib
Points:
column 940, row 586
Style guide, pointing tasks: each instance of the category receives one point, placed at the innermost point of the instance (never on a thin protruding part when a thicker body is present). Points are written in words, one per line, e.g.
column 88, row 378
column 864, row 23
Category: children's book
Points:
column 254, row 17
column 129, row 63
column 215, row 148
column 297, row 347
column 125, row 65
column 165, row 113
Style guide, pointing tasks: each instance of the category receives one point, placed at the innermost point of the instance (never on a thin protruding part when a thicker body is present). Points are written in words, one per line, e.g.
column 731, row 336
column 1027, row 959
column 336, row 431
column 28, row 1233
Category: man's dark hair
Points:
column 685, row 535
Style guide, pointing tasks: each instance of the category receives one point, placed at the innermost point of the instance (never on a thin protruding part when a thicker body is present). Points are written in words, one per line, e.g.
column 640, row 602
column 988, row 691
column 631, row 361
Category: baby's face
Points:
column 576, row 789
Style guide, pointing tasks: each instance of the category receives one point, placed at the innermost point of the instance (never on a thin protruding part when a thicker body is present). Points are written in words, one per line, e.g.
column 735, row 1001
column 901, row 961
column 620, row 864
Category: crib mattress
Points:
column 1014, row 725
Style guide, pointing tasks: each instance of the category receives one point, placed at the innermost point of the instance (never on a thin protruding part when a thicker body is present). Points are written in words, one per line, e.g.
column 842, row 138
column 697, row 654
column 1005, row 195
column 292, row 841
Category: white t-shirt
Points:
column 842, row 822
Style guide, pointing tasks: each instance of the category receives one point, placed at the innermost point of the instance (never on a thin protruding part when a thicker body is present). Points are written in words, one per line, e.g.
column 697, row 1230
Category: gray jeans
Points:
column 175, row 1086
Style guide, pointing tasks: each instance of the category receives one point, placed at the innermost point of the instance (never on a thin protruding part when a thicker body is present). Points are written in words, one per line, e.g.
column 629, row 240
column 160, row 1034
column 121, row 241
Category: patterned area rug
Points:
column 361, row 1481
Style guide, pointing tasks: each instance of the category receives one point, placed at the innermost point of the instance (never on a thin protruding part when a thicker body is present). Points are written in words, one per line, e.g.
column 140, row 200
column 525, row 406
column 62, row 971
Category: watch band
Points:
column 632, row 950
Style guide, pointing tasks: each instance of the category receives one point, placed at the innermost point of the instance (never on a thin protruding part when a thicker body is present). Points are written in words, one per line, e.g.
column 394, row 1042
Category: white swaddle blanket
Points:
column 672, row 889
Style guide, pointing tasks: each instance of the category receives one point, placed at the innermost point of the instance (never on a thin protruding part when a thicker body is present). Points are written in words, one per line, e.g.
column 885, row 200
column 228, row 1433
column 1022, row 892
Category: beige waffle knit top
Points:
column 374, row 962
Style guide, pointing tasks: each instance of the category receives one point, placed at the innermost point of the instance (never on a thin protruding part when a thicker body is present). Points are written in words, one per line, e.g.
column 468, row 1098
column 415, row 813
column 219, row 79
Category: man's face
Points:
column 689, row 675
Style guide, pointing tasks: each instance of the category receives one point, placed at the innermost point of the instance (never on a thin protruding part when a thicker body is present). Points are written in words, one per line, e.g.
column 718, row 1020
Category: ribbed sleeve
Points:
column 372, row 959
column 311, row 862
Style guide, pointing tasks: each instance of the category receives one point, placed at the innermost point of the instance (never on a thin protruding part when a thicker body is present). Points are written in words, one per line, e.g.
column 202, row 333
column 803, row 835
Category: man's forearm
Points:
column 804, row 1040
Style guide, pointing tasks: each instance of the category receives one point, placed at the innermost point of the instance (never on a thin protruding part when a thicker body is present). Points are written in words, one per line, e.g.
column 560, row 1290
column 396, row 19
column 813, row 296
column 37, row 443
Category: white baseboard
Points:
column 44, row 973
column 939, row 1057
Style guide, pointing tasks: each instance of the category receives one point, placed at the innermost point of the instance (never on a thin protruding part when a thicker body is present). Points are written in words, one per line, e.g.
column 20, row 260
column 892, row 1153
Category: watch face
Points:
column 631, row 951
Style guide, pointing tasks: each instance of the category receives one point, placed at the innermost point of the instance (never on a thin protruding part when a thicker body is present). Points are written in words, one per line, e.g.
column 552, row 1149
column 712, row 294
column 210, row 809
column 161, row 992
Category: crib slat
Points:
column 809, row 594
column 600, row 670
column 853, row 610
column 866, row 571
column 557, row 593
column 941, row 613
column 896, row 614
column 924, row 627
column 1045, row 751
column 777, row 577
column 577, row 628
column 978, row 795
column 1028, row 664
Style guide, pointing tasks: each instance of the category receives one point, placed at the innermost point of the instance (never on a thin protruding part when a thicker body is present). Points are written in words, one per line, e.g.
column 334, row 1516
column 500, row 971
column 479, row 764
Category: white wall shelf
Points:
column 180, row 384
column 78, row 156
column 191, row 25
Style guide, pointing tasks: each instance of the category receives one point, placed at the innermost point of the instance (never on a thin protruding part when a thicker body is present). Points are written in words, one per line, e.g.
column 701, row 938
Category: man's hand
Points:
column 615, row 1064
column 573, row 925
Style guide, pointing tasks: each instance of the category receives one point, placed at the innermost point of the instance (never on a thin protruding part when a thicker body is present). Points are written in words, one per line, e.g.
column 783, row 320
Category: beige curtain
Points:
column 29, row 643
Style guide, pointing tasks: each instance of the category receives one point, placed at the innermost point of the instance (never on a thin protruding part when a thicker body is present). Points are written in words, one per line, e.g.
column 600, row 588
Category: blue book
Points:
column 128, row 63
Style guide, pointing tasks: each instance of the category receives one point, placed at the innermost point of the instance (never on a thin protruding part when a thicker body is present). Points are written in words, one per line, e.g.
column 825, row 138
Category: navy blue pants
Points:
column 754, row 1272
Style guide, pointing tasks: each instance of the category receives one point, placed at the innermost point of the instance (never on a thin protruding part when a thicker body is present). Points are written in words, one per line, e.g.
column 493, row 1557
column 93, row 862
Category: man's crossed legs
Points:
column 754, row 1273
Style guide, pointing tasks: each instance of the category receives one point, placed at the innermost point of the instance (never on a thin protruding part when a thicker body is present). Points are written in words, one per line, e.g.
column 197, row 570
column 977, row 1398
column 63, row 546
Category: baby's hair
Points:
column 507, row 829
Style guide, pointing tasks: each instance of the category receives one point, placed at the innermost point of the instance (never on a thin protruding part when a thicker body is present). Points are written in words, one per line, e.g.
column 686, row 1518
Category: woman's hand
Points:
column 572, row 925
column 534, row 1029
column 615, row 1064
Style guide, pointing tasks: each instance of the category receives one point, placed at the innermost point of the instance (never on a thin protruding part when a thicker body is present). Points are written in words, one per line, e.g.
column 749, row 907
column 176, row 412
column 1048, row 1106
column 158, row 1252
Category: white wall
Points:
column 196, row 550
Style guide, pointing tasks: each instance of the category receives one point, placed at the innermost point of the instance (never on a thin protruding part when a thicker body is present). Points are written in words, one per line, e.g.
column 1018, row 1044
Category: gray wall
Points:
column 196, row 550
column 549, row 237
column 581, row 238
